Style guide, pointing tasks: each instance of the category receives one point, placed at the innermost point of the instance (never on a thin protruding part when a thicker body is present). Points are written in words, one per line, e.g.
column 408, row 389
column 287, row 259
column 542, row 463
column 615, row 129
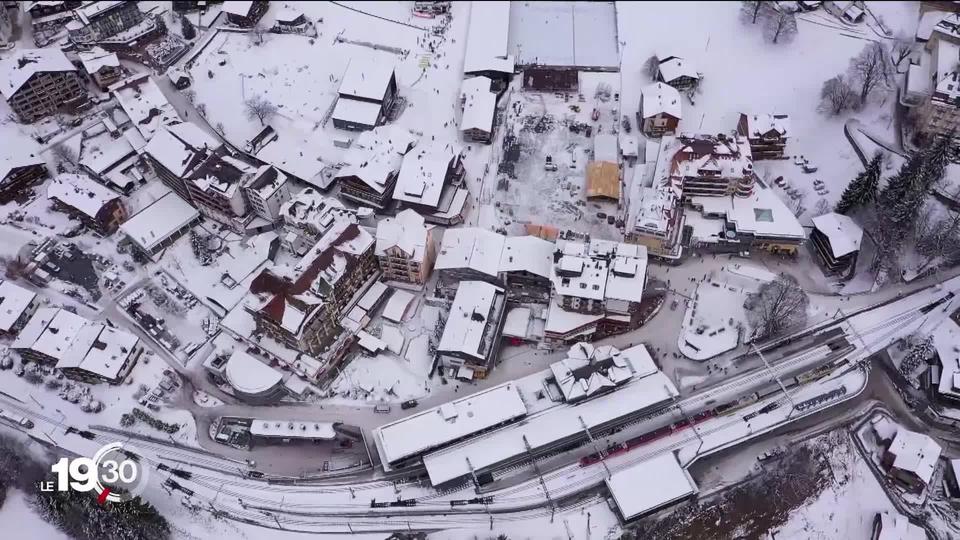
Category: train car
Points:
column 15, row 419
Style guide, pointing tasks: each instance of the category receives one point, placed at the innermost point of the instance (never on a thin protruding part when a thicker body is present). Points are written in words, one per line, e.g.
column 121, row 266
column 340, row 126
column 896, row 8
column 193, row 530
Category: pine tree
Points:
column 80, row 516
column 936, row 158
column 863, row 189
column 187, row 29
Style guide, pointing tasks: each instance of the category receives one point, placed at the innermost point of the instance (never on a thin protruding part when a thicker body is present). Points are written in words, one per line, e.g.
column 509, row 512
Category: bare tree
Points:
column 871, row 71
column 256, row 33
column 260, row 108
column 798, row 207
column 777, row 306
column 750, row 10
column 901, row 47
column 780, row 25
column 652, row 67
column 836, row 95
column 64, row 154
column 822, row 207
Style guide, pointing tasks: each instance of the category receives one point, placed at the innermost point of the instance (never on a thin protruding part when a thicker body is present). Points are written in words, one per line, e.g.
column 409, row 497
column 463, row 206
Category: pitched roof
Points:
column 81, row 193
column 97, row 58
column 915, row 452
column 660, row 98
column 406, row 231
column 367, row 78
column 527, row 253
column 842, row 232
column 179, row 147
column 674, row 67
column 471, row 247
column 16, row 69
column 422, row 174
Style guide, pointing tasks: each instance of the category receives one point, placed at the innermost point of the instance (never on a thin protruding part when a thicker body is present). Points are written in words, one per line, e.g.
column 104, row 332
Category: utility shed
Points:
column 650, row 485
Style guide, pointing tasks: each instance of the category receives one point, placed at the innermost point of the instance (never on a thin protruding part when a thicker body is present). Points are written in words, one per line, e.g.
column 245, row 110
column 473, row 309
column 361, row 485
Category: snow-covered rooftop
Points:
column 157, row 222
column 487, row 33
column 292, row 429
column 356, row 111
column 96, row 59
column 145, row 104
column 469, row 328
column 367, row 78
column 479, row 104
column 449, row 422
column 14, row 301
column 552, row 425
column 527, row 254
column 915, row 452
column 760, row 125
column 397, row 305
column 178, row 147
column 894, row 526
column 312, row 210
column 237, row 7
column 471, row 247
column 423, row 173
column 649, row 485
column 376, row 155
column 674, row 67
column 590, row 369
column 761, row 214
column 568, row 34
column 842, row 232
column 600, row 270
column 946, row 55
column 249, row 375
column 517, row 322
column 17, row 68
column 19, row 153
column 80, row 192
column 100, row 350
column 50, row 331
column 406, row 232
column 660, row 98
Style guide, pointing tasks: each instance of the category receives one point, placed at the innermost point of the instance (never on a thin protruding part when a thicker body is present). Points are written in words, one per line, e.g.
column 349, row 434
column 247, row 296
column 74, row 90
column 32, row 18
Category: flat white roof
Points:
column 249, row 375
column 422, row 174
column 367, row 78
column 157, row 222
column 373, row 295
column 894, row 526
column 17, row 68
column 448, row 422
column 238, row 7
column 650, row 485
column 517, row 322
column 50, row 331
column 479, row 105
column 842, row 232
column 467, row 324
column 487, row 34
column 553, row 424
column 397, row 305
column 292, row 429
column 759, row 125
column 356, row 111
column 579, row 34
column 14, row 300
column 660, row 98
column 175, row 146
column 761, row 214
column 527, row 253
column 97, row 58
column 145, row 104
column 470, row 247
column 81, row 193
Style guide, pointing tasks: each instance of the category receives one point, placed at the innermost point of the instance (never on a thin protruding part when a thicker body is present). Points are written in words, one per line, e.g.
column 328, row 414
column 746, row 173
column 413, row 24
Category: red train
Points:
column 659, row 433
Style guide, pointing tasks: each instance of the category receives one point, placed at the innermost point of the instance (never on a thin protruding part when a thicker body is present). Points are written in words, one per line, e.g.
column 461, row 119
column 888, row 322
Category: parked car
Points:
column 382, row 408
column 409, row 404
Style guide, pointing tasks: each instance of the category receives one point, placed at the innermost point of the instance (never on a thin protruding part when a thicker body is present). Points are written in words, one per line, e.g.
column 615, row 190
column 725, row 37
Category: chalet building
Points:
column 766, row 133
column 478, row 108
column 99, row 353
column 267, row 191
column 307, row 216
column 933, row 91
column 245, row 14
column 39, row 82
column 160, row 224
column 100, row 22
column 678, row 73
column 470, row 342
column 101, row 66
column 911, row 459
column 17, row 306
column 367, row 93
column 48, row 334
column 405, row 248
column 301, row 306
column 526, row 263
column 660, row 110
column 714, row 166
column 177, row 149
column 835, row 240
column 97, row 207
column 430, row 182
column 18, row 172
column 470, row 254
column 373, row 164
column 216, row 188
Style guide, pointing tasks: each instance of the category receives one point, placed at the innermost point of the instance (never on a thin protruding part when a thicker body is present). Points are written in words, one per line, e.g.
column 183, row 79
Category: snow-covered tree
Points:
column 922, row 349
column 187, row 29
column 836, row 95
column 871, row 71
column 81, row 517
column 901, row 47
column 750, row 10
column 777, row 306
column 652, row 67
column 260, row 108
column 64, row 154
column 780, row 25
column 863, row 189
column 822, row 207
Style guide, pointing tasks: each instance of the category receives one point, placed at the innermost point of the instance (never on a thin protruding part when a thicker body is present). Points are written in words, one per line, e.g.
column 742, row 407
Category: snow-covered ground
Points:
column 18, row 518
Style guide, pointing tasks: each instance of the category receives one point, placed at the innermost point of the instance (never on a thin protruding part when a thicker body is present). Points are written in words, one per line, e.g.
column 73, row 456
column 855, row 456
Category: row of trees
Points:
column 871, row 73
